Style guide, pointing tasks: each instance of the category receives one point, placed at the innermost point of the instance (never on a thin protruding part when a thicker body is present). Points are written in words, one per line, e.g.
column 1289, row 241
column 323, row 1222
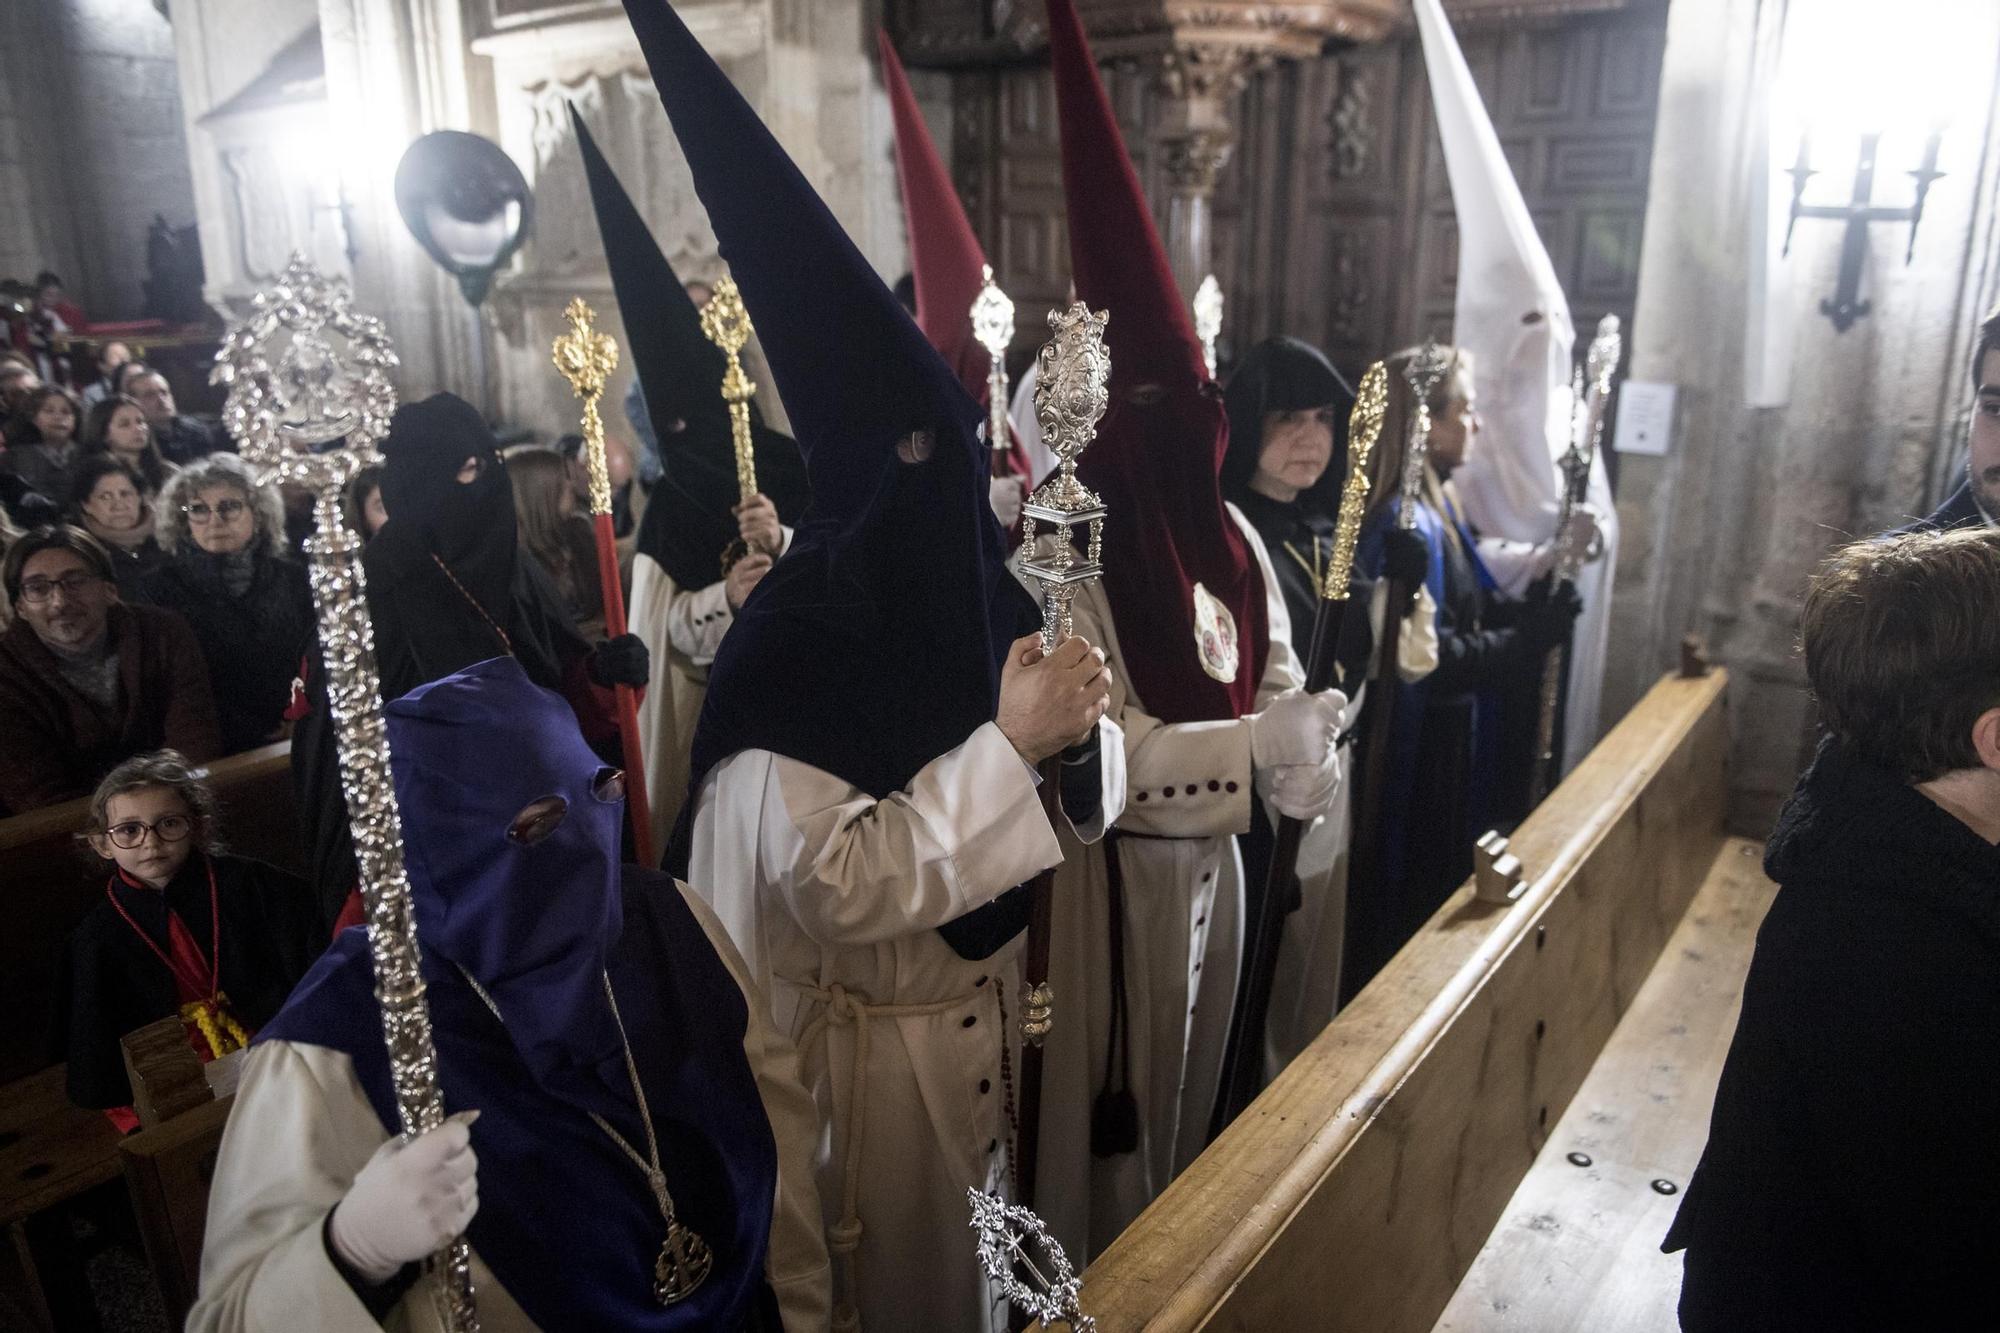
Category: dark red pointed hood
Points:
column 1184, row 586
column 945, row 257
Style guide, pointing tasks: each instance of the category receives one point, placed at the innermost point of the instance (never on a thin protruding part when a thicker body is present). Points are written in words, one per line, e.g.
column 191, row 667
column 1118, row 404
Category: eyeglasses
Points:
column 225, row 511
column 132, row 832
column 36, row 591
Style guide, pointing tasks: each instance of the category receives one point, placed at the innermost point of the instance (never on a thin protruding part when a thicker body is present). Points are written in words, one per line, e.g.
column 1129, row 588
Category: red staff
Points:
column 586, row 359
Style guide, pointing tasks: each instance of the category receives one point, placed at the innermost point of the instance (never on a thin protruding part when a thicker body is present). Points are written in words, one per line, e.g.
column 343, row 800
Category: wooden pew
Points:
column 1357, row 1190
column 1578, row 1250
column 48, row 882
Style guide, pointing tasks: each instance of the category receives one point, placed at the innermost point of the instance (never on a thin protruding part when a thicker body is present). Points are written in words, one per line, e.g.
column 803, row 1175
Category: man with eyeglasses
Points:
column 87, row 681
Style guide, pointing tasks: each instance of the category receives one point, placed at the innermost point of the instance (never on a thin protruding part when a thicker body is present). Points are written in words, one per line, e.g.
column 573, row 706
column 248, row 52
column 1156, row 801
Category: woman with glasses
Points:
column 228, row 573
column 184, row 929
column 88, row 680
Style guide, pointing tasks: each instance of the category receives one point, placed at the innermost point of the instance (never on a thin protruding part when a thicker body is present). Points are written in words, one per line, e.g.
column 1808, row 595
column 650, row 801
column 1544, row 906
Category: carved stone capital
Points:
column 1195, row 160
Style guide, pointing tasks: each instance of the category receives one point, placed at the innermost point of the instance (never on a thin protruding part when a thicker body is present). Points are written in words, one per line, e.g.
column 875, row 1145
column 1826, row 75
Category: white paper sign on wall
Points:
column 1645, row 417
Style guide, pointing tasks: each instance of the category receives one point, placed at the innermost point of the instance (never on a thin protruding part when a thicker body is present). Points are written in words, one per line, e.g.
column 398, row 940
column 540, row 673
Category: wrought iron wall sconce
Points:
column 1845, row 306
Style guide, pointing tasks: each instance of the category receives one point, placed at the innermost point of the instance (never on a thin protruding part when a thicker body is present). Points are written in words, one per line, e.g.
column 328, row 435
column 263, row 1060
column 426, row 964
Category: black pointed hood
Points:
column 689, row 520
column 875, row 645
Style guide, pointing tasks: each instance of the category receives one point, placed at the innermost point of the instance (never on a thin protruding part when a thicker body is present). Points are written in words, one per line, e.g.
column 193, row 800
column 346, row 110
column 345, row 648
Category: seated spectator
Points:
column 109, row 502
column 1851, row 1175
column 228, row 575
column 41, row 441
column 185, row 929
column 121, row 379
column 110, row 357
column 118, row 427
column 365, row 509
column 86, row 681
column 545, row 508
column 18, row 379
column 180, row 439
column 52, row 301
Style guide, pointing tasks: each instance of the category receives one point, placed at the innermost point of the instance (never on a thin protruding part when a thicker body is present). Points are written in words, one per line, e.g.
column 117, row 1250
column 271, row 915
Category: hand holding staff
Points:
column 306, row 413
column 586, row 359
column 1070, row 398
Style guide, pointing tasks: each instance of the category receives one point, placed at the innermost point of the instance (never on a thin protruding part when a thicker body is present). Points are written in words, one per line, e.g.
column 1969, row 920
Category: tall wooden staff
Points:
column 1070, row 397
column 993, row 329
column 586, row 358
column 308, row 412
column 1586, row 427
column 1423, row 374
column 1243, row 1053
column 727, row 324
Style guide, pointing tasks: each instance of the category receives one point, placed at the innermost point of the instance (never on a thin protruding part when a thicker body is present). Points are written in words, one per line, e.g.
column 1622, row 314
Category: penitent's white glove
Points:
column 1006, row 495
column 1296, row 728
column 1298, row 766
column 408, row 1201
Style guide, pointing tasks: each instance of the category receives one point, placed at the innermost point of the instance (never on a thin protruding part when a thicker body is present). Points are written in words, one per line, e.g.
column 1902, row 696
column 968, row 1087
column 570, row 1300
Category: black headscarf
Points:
column 874, row 646
column 1285, row 375
column 688, row 521
column 468, row 525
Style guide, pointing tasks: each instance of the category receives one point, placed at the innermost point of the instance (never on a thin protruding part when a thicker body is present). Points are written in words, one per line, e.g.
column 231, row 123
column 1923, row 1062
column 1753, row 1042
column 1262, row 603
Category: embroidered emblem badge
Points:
column 1214, row 636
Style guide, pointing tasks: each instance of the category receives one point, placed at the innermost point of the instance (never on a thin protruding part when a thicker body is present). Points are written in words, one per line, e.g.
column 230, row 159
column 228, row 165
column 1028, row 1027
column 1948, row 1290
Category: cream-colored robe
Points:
column 837, row 898
column 302, row 1129
column 682, row 630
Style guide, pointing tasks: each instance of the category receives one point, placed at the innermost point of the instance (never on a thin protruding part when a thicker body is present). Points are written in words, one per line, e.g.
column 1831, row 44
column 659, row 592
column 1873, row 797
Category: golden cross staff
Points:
column 1243, row 1050
column 727, row 324
column 586, row 358
column 309, row 398
column 993, row 329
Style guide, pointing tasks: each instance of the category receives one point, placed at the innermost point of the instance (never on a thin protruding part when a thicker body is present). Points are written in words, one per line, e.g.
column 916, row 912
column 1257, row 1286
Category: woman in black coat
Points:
column 227, row 573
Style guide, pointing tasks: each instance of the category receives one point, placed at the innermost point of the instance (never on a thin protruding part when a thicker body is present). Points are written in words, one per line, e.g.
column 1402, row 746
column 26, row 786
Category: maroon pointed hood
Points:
column 945, row 256
column 1184, row 587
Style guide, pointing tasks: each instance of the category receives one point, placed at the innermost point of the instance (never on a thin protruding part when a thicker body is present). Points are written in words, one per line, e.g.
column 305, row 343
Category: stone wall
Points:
column 1721, row 534
column 91, row 145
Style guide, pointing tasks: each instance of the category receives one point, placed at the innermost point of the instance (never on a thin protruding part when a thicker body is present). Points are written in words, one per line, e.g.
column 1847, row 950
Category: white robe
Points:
column 1183, row 938
column 302, row 1128
column 837, row 898
column 682, row 630
column 1305, row 985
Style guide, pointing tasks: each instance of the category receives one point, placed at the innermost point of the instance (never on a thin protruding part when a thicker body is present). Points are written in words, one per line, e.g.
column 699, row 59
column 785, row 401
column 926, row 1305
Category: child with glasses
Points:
column 184, row 929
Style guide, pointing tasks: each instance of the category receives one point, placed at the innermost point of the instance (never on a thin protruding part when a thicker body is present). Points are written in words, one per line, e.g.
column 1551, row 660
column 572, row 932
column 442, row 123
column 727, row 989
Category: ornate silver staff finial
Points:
column 1070, row 398
column 309, row 400
column 1006, row 1234
column 1208, row 318
column 993, row 329
column 1423, row 374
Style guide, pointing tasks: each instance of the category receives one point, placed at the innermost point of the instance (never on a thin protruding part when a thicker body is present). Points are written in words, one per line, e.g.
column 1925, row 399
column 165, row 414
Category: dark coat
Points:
column 113, row 984
column 184, row 439
column 1960, row 511
column 1852, row 1174
column 55, row 743
column 254, row 643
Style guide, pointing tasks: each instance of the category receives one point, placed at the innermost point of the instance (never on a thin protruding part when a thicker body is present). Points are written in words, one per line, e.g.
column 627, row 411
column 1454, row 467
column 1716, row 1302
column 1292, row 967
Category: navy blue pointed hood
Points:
column 875, row 644
column 689, row 519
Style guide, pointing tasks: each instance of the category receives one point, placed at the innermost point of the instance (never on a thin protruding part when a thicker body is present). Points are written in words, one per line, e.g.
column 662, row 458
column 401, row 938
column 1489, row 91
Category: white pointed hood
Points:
column 1513, row 317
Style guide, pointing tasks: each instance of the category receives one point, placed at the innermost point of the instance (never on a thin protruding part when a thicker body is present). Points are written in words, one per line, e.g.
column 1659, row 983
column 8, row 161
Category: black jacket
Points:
column 1960, row 511
column 113, row 984
column 254, row 643
column 1852, row 1174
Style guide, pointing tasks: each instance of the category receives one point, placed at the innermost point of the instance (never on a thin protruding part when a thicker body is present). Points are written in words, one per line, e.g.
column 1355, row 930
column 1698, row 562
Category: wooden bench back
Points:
column 168, row 1169
column 48, row 882
column 1354, row 1194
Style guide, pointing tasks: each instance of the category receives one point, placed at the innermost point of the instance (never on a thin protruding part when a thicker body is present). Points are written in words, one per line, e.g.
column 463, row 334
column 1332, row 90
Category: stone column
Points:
column 1198, row 87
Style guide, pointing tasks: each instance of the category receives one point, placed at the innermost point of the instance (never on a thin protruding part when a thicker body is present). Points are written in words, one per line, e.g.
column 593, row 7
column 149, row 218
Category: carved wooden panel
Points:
column 1358, row 180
